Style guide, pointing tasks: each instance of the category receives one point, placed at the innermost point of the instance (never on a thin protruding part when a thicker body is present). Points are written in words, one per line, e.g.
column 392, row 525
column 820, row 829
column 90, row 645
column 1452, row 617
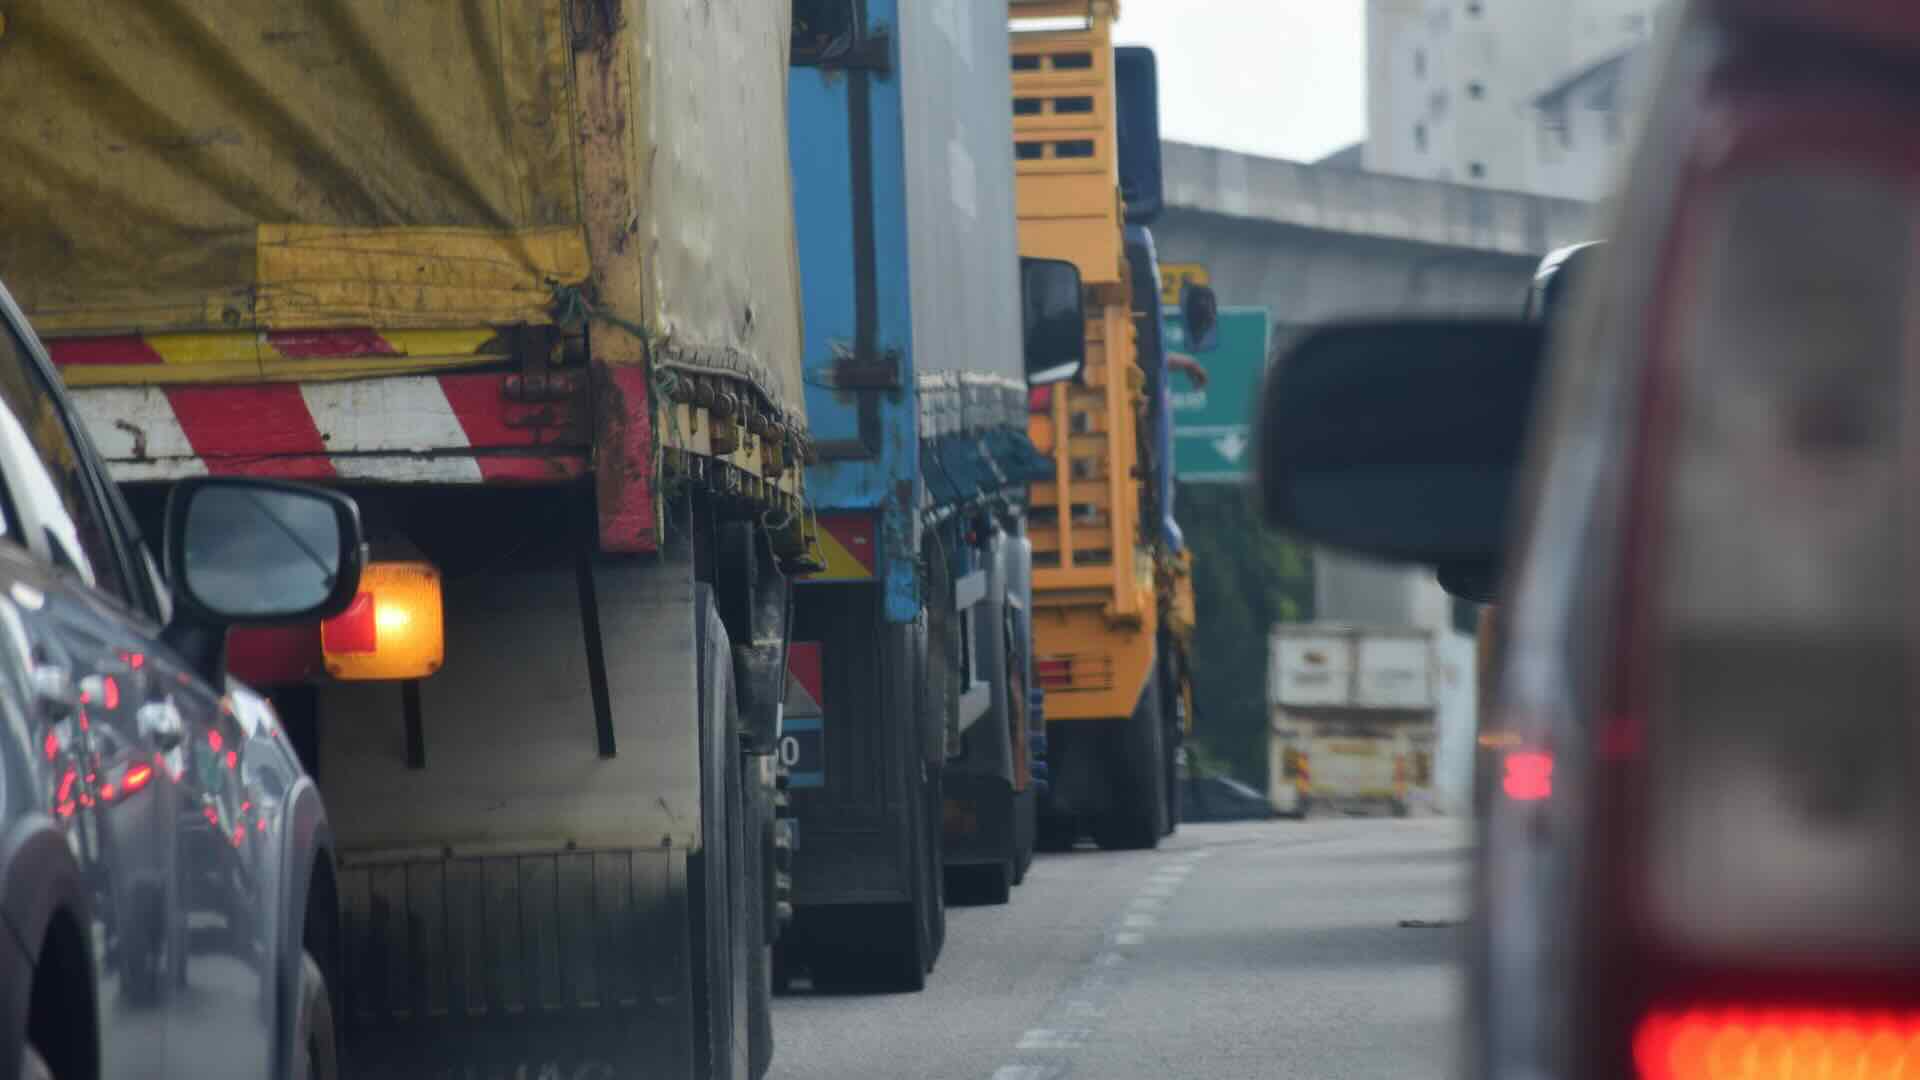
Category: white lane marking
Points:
column 1058, row 1038
column 1157, row 889
column 1141, row 921
column 1027, row 1072
column 1147, row 903
column 1082, row 1010
column 1201, row 854
column 1129, row 937
column 1109, row 959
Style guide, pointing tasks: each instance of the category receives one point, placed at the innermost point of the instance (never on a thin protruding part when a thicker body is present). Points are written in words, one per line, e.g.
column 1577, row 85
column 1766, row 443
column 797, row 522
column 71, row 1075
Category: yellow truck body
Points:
column 1096, row 608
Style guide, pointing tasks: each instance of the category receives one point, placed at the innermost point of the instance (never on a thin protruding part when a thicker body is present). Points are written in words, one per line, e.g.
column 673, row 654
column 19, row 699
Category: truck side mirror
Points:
column 1200, row 311
column 1054, row 320
column 1136, row 82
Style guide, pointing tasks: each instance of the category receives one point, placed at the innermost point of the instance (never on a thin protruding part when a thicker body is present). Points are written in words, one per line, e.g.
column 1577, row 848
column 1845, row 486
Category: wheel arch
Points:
column 310, row 912
column 44, row 904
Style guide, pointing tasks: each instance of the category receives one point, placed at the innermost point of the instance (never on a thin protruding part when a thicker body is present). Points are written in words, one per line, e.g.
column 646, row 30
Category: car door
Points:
column 225, row 1020
column 77, row 617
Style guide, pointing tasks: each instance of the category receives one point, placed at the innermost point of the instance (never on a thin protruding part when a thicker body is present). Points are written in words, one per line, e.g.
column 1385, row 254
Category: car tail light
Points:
column 1040, row 399
column 1737, row 1043
column 1527, row 776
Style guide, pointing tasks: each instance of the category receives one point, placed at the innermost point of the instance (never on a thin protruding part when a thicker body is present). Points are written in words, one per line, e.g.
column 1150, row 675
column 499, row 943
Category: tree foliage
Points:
column 1245, row 579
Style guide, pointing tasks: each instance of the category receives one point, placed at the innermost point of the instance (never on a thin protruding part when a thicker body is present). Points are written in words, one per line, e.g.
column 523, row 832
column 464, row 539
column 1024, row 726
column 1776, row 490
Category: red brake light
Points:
column 1040, row 399
column 1054, row 674
column 1777, row 1044
column 1529, row 776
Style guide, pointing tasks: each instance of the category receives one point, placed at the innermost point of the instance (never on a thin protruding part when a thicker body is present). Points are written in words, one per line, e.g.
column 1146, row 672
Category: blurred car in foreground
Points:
column 168, row 911
column 1701, row 848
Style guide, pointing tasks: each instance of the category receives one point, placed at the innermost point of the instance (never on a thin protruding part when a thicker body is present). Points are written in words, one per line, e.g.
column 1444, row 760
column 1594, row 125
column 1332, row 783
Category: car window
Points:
column 52, row 474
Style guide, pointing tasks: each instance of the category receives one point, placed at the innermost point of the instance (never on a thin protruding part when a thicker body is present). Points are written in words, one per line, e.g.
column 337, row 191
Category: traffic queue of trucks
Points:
column 685, row 366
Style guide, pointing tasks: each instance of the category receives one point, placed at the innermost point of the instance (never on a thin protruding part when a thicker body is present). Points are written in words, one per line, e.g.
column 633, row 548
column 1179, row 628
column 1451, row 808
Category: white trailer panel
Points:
column 1310, row 667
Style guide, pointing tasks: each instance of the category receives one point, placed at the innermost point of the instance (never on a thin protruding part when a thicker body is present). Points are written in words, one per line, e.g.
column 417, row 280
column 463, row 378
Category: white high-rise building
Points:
column 1525, row 95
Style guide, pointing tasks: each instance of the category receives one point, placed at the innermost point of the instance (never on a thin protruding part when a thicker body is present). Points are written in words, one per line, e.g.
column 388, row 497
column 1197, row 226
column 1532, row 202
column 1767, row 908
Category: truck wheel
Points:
column 936, row 878
column 722, row 886
column 1056, row 834
column 756, row 867
column 1026, row 838
column 1174, row 709
column 782, row 969
column 1138, row 819
column 981, row 885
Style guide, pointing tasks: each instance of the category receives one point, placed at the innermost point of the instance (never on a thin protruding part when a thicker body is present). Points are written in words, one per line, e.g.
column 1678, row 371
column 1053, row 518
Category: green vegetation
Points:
column 1246, row 578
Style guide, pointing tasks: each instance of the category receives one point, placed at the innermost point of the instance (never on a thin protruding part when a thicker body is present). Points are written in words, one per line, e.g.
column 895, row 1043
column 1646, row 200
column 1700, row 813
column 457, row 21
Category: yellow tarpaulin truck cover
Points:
column 208, row 166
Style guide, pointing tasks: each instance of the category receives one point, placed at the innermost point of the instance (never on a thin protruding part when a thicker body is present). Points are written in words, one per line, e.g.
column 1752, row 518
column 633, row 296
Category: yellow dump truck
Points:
column 520, row 277
column 1113, row 603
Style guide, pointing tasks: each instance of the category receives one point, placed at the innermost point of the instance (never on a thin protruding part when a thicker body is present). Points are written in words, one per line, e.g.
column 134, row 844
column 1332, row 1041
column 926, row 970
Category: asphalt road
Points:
column 1250, row 950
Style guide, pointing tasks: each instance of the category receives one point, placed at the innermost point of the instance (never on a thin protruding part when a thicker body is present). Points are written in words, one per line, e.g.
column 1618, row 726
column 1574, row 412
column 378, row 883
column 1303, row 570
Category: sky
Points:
column 1279, row 78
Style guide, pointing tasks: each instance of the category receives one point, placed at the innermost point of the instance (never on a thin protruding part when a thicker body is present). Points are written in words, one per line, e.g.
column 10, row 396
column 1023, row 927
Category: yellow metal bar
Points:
column 1063, row 514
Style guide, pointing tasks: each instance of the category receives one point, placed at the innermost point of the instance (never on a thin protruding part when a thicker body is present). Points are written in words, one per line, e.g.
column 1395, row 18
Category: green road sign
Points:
column 1212, row 433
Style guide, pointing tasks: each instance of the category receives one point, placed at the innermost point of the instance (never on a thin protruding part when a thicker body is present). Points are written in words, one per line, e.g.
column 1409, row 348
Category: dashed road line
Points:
column 1074, row 1016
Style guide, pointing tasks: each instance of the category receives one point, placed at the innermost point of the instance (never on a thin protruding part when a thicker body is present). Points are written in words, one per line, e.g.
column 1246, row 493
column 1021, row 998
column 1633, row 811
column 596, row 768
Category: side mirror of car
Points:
column 1402, row 441
column 1054, row 320
column 261, row 552
column 1200, row 313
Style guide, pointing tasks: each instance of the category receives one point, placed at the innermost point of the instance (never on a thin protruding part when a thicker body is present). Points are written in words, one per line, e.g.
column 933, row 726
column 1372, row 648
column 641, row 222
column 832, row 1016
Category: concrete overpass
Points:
column 1313, row 242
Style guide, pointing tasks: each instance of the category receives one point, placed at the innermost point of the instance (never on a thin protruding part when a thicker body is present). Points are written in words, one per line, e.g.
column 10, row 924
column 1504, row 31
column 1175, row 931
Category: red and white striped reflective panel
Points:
column 449, row 429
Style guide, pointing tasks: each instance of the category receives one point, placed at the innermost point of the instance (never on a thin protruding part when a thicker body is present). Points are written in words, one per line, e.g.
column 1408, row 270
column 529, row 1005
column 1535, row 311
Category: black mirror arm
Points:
column 202, row 644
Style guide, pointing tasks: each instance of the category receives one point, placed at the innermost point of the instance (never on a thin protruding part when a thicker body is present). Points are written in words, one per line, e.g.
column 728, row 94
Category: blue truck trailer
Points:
column 907, row 713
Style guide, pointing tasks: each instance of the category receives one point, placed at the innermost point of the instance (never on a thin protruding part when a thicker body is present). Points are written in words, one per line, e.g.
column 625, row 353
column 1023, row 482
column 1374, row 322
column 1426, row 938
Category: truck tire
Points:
column 722, row 889
column 1138, row 818
column 757, row 869
column 1055, row 834
column 936, row 890
column 1173, row 711
column 987, row 885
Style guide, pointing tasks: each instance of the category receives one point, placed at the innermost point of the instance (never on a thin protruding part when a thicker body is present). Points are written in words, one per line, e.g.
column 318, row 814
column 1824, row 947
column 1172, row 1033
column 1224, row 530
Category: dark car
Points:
column 165, row 864
column 1700, row 855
